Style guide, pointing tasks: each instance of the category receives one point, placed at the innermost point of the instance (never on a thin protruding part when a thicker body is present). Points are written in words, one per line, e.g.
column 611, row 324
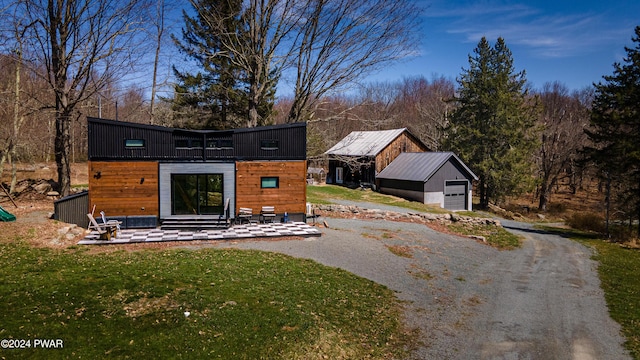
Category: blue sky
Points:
column 575, row 43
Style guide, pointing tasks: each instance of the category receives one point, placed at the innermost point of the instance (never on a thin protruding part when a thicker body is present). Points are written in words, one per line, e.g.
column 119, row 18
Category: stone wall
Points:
column 358, row 212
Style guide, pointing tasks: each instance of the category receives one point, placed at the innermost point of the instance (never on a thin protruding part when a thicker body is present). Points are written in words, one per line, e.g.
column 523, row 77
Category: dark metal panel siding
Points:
column 401, row 184
column 292, row 143
column 73, row 209
column 107, row 141
column 448, row 171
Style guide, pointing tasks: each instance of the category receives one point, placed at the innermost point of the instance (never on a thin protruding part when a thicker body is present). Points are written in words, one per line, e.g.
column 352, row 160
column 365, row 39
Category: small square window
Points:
column 134, row 143
column 271, row 182
column 269, row 144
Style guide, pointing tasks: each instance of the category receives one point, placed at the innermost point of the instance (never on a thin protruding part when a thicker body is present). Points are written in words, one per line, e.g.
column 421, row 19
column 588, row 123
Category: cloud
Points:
column 544, row 33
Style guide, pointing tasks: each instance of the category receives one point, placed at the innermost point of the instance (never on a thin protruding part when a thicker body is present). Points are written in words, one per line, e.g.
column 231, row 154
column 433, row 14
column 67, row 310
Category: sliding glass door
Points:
column 197, row 194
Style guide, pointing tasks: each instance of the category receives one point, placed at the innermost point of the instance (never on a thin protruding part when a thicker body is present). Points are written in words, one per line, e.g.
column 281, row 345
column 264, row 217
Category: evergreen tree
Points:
column 615, row 130
column 215, row 97
column 493, row 128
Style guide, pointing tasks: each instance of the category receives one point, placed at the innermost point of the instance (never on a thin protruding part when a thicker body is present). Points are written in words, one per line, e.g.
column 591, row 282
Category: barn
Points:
column 431, row 178
column 143, row 174
column 361, row 155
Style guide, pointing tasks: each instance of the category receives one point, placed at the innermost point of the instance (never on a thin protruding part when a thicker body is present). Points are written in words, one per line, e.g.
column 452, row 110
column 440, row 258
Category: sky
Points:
column 572, row 42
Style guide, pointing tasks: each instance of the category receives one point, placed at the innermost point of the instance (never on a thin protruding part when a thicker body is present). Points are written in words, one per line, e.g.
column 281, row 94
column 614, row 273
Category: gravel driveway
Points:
column 470, row 301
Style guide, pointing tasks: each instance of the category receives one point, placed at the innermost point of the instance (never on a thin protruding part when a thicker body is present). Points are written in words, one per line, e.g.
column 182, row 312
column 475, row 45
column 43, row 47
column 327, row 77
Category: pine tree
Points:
column 615, row 130
column 216, row 96
column 493, row 128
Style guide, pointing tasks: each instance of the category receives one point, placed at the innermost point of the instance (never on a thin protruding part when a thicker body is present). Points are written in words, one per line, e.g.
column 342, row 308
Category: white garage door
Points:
column 455, row 195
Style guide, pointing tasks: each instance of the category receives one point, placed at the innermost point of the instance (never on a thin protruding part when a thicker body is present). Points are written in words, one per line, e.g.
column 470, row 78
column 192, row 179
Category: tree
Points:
column 325, row 44
column 342, row 40
column 265, row 27
column 215, row 96
column 80, row 44
column 615, row 130
column 423, row 107
column 563, row 120
column 493, row 128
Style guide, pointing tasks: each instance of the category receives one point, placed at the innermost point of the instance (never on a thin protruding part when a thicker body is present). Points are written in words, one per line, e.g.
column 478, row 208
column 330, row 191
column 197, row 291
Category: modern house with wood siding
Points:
column 361, row 155
column 146, row 173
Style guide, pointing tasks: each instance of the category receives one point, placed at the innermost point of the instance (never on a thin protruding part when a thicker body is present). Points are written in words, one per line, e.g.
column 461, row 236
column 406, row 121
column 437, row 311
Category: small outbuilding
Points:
column 361, row 155
column 431, row 178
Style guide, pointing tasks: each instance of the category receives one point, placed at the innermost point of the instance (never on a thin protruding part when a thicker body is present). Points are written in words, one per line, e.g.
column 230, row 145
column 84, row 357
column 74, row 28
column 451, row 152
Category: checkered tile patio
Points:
column 236, row 232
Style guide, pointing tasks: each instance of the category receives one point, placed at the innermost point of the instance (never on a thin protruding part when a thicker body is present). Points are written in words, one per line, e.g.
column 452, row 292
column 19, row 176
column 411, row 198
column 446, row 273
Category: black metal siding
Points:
column 73, row 209
column 107, row 142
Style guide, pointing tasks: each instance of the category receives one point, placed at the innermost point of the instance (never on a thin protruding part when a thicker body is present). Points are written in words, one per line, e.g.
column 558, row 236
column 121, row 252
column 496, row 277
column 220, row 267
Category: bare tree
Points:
column 80, row 44
column 326, row 44
column 342, row 40
column 263, row 49
column 564, row 118
column 423, row 107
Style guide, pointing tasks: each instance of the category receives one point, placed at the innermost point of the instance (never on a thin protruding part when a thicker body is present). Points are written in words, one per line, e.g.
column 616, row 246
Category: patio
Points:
column 247, row 231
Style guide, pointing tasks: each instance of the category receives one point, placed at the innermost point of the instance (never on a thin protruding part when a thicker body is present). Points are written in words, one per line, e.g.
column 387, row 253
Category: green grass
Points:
column 324, row 194
column 496, row 236
column 241, row 304
column 618, row 271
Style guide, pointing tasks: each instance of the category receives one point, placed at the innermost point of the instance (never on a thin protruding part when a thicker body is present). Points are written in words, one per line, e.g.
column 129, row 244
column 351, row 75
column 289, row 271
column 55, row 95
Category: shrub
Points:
column 587, row 221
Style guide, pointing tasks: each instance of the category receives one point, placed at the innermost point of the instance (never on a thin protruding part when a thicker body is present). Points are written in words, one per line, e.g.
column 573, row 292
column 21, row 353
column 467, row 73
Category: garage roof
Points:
column 365, row 143
column 420, row 166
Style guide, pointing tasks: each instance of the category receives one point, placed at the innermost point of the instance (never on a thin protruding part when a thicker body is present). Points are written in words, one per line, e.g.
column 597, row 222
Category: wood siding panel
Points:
column 290, row 196
column 117, row 187
column 403, row 143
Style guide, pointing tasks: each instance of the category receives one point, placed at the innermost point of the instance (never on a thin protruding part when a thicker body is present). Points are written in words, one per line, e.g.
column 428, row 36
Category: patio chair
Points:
column 311, row 213
column 244, row 214
column 107, row 230
column 267, row 214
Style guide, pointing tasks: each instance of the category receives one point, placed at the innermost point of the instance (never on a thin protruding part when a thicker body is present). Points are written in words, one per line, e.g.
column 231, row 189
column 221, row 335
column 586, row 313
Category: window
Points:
column 269, row 182
column 134, row 143
column 220, row 144
column 182, row 143
column 196, row 144
column 225, row 143
column 269, row 144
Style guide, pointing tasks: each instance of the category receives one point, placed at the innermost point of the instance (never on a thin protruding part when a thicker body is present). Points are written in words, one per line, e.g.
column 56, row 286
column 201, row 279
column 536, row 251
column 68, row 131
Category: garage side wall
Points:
column 448, row 171
column 290, row 195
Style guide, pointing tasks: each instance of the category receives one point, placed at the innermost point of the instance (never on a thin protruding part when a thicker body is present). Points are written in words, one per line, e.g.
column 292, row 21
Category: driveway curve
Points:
column 471, row 301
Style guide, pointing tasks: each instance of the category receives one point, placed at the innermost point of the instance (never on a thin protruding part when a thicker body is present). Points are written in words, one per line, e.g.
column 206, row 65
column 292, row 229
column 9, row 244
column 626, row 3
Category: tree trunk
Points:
column 62, row 146
column 545, row 194
column 484, row 200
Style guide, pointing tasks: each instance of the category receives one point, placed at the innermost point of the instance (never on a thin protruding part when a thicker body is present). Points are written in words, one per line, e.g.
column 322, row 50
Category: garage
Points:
column 438, row 178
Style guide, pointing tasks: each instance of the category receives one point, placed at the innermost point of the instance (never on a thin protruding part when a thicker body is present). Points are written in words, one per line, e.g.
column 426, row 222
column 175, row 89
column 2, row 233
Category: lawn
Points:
column 323, row 194
column 195, row 304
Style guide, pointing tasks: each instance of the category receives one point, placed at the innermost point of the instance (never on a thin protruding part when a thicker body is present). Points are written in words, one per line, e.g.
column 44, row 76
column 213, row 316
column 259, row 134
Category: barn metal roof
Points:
column 419, row 166
column 365, row 143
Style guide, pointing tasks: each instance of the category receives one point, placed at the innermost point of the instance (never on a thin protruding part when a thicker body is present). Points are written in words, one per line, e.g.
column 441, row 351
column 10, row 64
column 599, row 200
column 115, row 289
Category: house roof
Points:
column 420, row 166
column 365, row 143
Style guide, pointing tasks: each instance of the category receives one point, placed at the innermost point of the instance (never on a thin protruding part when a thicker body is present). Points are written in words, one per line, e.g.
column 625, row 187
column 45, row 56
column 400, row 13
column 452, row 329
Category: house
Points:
column 431, row 178
column 147, row 173
column 361, row 155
